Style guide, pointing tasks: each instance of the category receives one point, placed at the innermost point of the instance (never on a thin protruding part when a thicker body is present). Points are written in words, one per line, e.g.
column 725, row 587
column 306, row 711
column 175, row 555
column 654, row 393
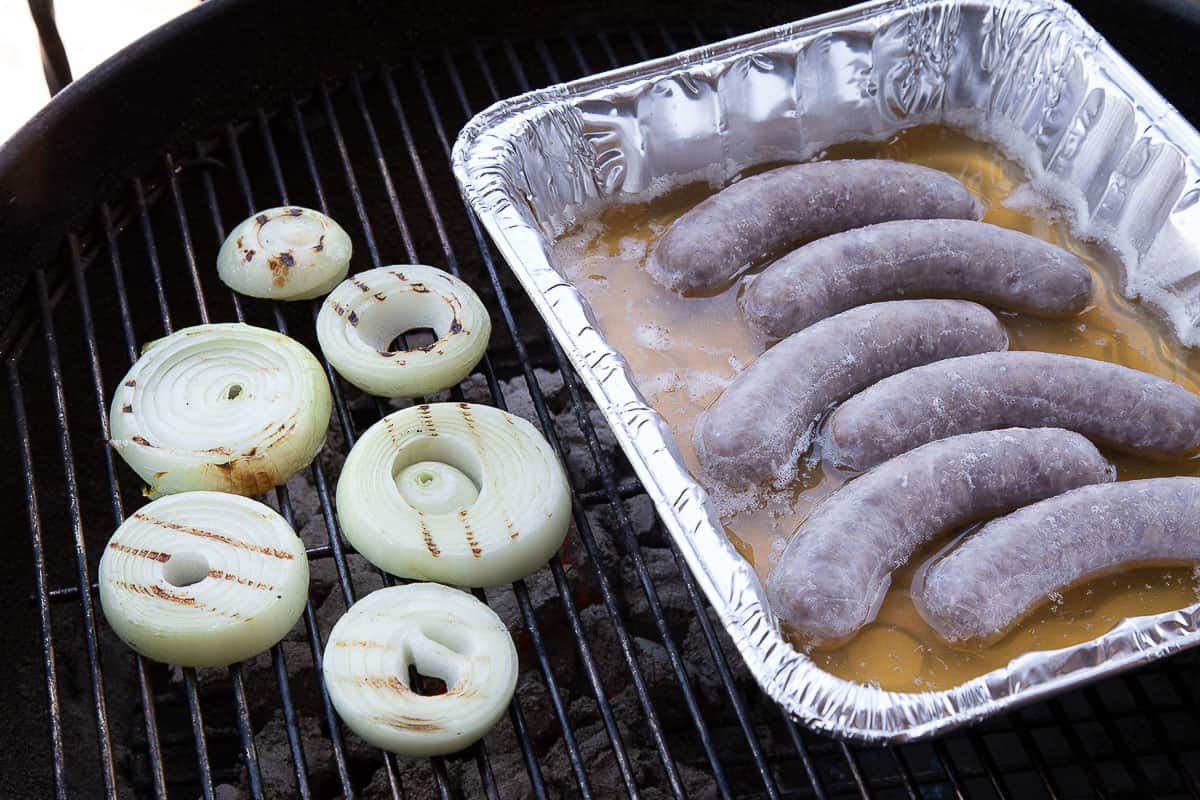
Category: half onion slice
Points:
column 287, row 253
column 453, row 492
column 225, row 407
column 445, row 634
column 360, row 319
column 203, row 579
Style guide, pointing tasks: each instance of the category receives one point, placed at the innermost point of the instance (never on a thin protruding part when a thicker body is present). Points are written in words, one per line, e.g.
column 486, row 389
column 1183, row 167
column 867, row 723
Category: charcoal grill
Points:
column 114, row 203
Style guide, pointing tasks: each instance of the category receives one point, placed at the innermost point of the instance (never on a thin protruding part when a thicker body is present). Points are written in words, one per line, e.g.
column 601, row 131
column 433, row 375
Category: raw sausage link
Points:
column 1115, row 406
column 916, row 258
column 838, row 564
column 762, row 423
column 761, row 217
column 1009, row 566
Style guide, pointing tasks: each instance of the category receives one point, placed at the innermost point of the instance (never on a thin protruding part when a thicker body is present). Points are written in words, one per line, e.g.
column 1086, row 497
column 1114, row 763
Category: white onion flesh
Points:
column 444, row 633
column 225, row 407
column 359, row 320
column 286, row 253
column 203, row 579
column 513, row 526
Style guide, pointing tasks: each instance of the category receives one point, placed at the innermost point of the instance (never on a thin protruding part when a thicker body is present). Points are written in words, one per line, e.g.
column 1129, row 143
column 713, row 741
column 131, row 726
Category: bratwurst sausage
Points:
column 1010, row 565
column 916, row 258
column 762, row 423
column 761, row 217
column 839, row 562
column 1115, row 406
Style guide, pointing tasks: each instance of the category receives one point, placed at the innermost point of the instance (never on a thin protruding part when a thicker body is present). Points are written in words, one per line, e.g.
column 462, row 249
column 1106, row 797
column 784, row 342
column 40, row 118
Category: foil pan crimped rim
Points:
column 1028, row 75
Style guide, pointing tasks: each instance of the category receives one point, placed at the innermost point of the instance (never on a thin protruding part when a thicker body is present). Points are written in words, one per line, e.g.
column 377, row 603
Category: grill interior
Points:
column 628, row 685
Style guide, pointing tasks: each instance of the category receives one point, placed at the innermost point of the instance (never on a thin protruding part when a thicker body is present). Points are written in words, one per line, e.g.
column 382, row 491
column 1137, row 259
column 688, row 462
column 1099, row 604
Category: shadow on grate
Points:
column 629, row 685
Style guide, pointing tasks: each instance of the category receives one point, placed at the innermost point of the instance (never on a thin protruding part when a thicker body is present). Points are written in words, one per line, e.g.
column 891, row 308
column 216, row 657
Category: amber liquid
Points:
column 684, row 351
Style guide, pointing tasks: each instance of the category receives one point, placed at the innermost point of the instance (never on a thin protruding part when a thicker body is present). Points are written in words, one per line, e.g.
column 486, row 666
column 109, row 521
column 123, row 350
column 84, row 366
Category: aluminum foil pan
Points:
column 1028, row 75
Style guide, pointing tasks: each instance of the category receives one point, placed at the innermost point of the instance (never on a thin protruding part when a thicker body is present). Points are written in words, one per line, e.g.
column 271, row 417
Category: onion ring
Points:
column 444, row 633
column 203, row 579
column 225, row 407
column 361, row 317
column 402, row 521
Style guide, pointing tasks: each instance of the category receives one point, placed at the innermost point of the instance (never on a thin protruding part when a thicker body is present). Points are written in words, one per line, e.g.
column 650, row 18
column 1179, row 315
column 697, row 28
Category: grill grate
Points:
column 644, row 704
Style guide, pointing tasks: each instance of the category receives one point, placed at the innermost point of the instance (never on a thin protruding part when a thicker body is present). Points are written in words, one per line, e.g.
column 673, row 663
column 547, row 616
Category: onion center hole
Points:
column 184, row 569
column 425, row 685
column 412, row 339
column 233, row 391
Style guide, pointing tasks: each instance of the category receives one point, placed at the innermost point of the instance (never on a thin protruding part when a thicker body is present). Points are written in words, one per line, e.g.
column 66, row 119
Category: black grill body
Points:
column 113, row 204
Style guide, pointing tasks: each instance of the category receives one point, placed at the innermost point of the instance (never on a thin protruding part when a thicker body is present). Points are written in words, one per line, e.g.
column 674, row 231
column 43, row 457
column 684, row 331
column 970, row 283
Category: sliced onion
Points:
column 226, row 407
column 359, row 320
column 203, row 579
column 425, row 525
column 287, row 253
column 445, row 634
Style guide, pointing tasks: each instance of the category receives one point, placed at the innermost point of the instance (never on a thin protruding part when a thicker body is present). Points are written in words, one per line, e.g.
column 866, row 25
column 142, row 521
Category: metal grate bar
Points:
column 76, row 520
column 245, row 729
column 277, row 656
column 436, row 763
column 152, row 255
column 1077, row 748
column 285, row 505
column 185, row 230
column 633, row 550
column 806, row 759
column 989, row 764
column 246, row 732
column 53, row 712
column 1029, row 746
column 479, row 749
column 640, row 688
column 146, row 694
column 193, row 703
column 118, row 274
column 948, row 767
column 714, row 647
column 541, row 410
column 582, row 524
column 497, row 397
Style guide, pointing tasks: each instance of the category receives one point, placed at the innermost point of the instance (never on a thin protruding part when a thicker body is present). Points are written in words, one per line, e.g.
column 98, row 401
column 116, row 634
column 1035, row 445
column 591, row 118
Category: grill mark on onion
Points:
column 427, row 419
column 409, row 724
column 222, row 575
column 430, row 545
column 153, row 590
column 218, row 537
column 154, row 555
column 472, row 542
column 384, row 682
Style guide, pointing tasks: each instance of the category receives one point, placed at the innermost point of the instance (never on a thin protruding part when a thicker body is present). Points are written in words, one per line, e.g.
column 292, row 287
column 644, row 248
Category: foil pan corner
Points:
column 1028, row 75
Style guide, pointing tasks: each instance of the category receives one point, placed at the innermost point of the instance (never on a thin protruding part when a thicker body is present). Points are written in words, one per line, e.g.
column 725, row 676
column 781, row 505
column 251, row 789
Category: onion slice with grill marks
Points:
column 225, row 407
column 287, row 253
column 453, row 492
column 203, row 579
column 444, row 633
column 359, row 320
